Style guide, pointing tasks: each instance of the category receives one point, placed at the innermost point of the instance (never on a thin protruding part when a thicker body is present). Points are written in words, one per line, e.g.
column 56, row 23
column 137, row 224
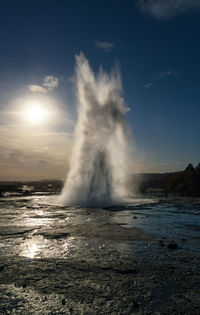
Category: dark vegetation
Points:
column 183, row 183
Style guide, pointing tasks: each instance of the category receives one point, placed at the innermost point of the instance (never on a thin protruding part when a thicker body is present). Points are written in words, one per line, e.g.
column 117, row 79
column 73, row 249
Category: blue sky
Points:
column 157, row 46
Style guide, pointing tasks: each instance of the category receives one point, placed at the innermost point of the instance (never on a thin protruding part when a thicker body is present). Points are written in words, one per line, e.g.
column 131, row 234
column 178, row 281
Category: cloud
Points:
column 29, row 154
column 166, row 9
column 106, row 46
column 168, row 73
column 50, row 82
column 71, row 79
column 148, row 85
column 37, row 88
column 161, row 76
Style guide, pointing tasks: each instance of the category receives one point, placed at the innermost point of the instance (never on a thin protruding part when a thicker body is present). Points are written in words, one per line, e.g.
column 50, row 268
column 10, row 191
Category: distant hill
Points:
column 184, row 183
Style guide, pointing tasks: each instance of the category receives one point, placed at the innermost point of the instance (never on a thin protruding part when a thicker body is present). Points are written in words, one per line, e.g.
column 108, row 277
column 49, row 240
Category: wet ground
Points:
column 139, row 258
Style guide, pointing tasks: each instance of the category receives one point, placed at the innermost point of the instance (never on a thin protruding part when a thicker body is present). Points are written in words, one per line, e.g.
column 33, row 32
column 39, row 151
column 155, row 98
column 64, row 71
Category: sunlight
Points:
column 35, row 112
column 31, row 247
column 30, row 250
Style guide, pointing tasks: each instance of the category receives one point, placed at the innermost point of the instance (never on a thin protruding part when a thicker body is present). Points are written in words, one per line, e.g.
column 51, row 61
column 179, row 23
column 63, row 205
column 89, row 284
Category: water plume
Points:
column 100, row 160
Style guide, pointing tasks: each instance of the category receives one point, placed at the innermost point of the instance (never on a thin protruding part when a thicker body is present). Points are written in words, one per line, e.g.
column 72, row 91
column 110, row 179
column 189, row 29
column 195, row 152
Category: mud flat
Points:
column 65, row 260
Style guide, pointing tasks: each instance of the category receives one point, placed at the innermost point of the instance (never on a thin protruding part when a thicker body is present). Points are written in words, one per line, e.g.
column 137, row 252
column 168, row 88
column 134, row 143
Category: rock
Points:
column 127, row 271
column 184, row 240
column 161, row 243
column 136, row 304
column 172, row 245
column 63, row 302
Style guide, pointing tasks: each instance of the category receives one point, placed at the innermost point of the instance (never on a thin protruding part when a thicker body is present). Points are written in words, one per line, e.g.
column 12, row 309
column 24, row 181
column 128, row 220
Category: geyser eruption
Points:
column 100, row 158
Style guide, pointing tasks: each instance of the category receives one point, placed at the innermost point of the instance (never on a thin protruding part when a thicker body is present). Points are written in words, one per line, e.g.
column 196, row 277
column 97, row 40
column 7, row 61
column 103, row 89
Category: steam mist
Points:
column 99, row 163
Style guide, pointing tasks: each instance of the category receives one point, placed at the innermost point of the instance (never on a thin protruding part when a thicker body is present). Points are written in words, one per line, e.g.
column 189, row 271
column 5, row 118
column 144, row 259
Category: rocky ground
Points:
column 117, row 286
column 83, row 261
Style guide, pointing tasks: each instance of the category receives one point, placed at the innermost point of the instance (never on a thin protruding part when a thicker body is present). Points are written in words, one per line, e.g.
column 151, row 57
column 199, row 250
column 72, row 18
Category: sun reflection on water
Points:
column 31, row 247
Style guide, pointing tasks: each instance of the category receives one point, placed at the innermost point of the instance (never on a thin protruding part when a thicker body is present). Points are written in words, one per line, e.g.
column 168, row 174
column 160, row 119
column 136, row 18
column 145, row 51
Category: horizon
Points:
column 156, row 47
column 63, row 179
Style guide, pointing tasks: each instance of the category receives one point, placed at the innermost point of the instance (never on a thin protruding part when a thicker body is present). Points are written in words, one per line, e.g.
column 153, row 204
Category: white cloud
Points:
column 106, row 46
column 166, row 9
column 51, row 82
column 161, row 76
column 169, row 73
column 37, row 88
column 148, row 85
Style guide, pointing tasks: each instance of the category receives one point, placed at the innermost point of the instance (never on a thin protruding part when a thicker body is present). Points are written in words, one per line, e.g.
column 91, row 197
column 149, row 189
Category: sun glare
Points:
column 35, row 112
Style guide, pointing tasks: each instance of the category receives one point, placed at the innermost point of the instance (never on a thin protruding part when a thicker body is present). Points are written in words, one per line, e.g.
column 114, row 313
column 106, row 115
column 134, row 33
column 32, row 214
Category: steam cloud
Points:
column 101, row 155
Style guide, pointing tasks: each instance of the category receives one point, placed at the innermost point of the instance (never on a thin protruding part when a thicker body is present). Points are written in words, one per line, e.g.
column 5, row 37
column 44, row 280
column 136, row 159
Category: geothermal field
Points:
column 138, row 258
column 96, row 246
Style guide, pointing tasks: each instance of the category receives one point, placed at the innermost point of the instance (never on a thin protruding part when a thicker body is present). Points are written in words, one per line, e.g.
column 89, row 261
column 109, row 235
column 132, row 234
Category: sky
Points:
column 155, row 42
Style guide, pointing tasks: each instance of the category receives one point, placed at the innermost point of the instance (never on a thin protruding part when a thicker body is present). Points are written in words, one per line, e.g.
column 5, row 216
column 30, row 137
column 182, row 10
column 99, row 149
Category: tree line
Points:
column 186, row 183
column 183, row 183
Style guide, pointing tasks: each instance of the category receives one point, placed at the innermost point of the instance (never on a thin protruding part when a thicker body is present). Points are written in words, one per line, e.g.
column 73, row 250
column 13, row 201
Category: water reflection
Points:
column 31, row 247
column 128, row 218
column 34, row 229
column 40, row 247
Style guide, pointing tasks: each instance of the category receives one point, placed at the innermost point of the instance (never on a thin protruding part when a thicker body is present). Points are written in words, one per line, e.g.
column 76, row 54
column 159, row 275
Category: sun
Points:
column 35, row 112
